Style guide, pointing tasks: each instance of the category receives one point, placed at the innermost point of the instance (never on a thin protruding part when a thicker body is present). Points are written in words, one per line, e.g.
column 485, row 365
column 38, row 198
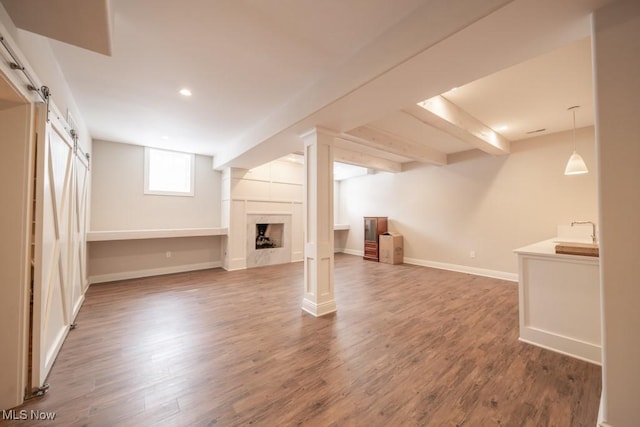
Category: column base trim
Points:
column 319, row 310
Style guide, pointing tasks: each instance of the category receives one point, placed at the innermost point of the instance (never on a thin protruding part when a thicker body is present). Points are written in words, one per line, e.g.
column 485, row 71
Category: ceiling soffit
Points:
column 82, row 23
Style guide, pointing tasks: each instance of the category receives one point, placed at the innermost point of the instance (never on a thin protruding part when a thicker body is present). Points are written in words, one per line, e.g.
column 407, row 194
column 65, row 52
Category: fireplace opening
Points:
column 269, row 236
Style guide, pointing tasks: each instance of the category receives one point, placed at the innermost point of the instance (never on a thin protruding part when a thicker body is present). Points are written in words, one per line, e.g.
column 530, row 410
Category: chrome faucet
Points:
column 594, row 239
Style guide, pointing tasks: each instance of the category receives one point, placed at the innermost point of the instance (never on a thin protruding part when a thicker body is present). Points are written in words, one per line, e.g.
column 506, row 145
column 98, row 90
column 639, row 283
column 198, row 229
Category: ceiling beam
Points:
column 351, row 94
column 384, row 141
column 443, row 114
column 365, row 160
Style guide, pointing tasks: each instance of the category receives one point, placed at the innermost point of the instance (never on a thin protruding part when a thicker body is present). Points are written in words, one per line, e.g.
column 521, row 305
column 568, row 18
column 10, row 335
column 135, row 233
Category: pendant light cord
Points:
column 573, row 110
column 574, row 129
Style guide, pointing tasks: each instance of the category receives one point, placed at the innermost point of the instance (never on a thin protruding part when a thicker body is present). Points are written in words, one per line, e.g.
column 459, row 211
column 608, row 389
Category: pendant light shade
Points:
column 575, row 165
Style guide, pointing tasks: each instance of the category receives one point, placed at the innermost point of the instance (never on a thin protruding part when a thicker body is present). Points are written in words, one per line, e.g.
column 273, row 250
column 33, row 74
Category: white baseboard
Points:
column 112, row 277
column 318, row 310
column 353, row 252
column 503, row 275
column 236, row 264
column 495, row 274
column 568, row 346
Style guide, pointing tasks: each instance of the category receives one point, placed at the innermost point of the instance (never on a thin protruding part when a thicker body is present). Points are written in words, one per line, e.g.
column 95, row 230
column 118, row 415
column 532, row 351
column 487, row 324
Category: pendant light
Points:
column 575, row 165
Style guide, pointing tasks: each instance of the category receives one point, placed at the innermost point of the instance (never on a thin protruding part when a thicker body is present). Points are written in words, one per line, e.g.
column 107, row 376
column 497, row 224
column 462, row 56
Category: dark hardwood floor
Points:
column 408, row 346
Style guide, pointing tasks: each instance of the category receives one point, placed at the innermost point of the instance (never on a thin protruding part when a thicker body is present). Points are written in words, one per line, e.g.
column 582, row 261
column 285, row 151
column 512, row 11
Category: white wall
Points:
column 616, row 44
column 118, row 203
column 117, row 260
column 339, row 236
column 490, row 205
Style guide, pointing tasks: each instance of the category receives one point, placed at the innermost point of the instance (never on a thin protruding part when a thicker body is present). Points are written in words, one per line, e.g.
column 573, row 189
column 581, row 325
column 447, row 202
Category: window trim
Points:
column 192, row 167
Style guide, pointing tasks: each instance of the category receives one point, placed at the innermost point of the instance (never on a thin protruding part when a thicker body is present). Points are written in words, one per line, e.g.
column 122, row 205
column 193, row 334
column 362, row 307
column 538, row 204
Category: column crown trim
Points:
column 318, row 130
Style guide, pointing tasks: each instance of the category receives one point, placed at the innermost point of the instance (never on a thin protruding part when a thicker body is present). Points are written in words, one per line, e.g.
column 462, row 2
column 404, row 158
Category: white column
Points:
column 233, row 216
column 318, row 223
column 616, row 48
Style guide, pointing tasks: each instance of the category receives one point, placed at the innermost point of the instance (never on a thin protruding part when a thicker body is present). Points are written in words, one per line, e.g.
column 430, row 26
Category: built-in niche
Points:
column 269, row 236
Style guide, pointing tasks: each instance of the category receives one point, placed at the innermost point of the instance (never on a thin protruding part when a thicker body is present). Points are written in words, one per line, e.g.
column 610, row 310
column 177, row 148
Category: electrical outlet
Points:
column 472, row 254
column 168, row 254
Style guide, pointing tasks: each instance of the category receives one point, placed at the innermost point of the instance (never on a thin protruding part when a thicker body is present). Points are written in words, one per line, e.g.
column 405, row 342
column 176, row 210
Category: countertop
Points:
column 548, row 248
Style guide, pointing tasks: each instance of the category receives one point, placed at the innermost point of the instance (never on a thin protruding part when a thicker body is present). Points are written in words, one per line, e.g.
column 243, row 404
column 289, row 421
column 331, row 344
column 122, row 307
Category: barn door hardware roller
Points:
column 43, row 92
column 37, row 392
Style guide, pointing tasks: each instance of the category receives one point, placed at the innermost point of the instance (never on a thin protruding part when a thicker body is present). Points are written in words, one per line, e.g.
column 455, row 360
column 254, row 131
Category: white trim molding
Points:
column 320, row 309
column 560, row 344
column 107, row 235
column 112, row 277
column 353, row 252
column 494, row 274
column 476, row 271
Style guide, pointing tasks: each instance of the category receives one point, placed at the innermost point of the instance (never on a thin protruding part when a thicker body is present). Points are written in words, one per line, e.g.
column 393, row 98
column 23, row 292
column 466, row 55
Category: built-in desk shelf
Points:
column 101, row 236
column 338, row 227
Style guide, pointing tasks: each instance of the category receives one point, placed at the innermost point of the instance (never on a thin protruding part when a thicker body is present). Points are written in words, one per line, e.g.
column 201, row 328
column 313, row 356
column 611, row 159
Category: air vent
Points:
column 536, row 131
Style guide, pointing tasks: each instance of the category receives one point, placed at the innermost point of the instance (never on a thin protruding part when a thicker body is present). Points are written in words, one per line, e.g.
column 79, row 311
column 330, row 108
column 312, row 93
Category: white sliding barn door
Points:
column 79, row 281
column 57, row 291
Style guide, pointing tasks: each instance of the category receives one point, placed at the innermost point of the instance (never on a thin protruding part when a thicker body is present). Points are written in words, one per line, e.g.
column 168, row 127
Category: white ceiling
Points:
column 534, row 94
column 263, row 72
column 242, row 59
column 529, row 96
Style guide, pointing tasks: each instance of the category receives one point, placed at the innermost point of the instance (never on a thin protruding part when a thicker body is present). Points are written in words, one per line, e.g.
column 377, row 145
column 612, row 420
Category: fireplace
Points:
column 269, row 236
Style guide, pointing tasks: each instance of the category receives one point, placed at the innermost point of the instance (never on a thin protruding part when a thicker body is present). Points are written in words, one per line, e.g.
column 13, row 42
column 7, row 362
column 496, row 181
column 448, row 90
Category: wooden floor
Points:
column 408, row 346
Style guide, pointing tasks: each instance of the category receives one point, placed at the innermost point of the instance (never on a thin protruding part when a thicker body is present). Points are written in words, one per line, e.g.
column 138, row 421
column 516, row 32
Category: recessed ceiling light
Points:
column 185, row 92
column 502, row 128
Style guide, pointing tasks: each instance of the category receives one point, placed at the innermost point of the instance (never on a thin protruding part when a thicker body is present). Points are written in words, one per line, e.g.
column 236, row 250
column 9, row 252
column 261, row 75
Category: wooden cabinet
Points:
column 374, row 226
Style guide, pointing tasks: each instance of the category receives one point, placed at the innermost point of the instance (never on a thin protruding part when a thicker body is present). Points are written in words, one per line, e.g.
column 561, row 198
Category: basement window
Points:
column 168, row 173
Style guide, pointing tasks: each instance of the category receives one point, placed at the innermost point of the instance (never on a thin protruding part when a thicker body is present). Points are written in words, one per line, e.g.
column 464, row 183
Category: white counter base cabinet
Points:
column 559, row 298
